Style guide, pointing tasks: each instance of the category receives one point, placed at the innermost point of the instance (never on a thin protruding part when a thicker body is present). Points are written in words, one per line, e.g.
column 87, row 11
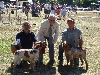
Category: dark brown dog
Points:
column 72, row 53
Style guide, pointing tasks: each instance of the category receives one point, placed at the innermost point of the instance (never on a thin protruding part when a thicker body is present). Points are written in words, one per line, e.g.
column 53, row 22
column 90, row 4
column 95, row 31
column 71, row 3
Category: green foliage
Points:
column 5, row 44
column 68, row 2
column 84, row 3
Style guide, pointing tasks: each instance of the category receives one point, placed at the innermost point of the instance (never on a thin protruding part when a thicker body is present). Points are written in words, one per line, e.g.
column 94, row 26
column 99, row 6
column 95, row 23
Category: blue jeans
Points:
column 51, row 51
column 60, row 57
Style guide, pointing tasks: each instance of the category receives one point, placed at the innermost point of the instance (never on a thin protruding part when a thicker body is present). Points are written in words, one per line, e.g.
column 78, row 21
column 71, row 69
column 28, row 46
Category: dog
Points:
column 15, row 47
column 42, row 51
column 72, row 53
column 31, row 55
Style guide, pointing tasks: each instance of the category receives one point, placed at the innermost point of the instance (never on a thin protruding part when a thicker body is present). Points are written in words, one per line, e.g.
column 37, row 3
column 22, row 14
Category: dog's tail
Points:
column 13, row 49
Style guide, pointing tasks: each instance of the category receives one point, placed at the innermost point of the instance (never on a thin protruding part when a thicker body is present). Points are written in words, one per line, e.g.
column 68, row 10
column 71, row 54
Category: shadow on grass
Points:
column 66, row 70
column 39, row 70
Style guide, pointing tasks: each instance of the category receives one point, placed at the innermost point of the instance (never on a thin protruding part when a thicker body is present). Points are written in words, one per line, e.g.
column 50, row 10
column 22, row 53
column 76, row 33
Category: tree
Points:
column 84, row 3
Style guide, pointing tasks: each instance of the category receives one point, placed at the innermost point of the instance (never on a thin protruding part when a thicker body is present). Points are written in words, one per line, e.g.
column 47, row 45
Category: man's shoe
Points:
column 51, row 62
column 18, row 66
column 40, row 62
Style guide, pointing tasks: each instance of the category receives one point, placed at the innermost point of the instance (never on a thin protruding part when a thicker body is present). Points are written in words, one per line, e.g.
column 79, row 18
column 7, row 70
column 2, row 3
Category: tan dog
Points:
column 31, row 55
column 15, row 47
column 72, row 53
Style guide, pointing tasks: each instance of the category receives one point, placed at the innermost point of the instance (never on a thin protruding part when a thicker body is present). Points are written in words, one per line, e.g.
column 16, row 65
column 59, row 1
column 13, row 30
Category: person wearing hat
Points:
column 25, row 38
column 73, row 36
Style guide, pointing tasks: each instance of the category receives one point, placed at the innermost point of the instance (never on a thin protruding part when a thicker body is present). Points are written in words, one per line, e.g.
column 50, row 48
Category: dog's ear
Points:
column 39, row 43
column 44, row 43
column 64, row 44
column 13, row 49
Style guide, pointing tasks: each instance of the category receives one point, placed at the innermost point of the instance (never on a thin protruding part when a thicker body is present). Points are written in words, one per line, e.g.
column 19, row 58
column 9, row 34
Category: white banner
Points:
column 12, row 0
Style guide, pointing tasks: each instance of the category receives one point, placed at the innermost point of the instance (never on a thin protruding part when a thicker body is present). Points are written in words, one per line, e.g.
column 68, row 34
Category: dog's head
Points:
column 39, row 45
column 66, row 45
column 14, row 47
column 42, row 50
column 44, row 44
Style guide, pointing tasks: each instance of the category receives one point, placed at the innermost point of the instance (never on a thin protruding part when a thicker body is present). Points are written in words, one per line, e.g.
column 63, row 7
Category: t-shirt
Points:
column 72, row 36
column 26, row 40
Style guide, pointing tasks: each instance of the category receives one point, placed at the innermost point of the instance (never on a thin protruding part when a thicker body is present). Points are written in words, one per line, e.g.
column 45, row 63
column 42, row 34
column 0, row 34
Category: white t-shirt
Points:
column 47, row 6
column 64, row 9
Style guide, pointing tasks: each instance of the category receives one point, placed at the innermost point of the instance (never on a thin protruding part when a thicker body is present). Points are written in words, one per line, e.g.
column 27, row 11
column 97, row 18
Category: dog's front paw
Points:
column 12, row 65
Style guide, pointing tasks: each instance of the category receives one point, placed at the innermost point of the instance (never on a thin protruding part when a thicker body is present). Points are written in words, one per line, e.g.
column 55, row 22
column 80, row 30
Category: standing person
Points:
column 52, row 9
column 47, row 9
column 23, row 7
column 49, row 31
column 58, row 11
column 33, row 9
column 27, row 8
column 63, row 11
column 73, row 36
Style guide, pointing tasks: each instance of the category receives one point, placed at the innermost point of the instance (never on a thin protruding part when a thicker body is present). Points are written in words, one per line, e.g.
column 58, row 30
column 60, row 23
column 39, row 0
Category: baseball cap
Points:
column 71, row 19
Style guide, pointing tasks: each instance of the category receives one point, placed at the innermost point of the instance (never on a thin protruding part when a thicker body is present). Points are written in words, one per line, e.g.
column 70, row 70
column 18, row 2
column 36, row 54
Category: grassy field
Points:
column 89, row 23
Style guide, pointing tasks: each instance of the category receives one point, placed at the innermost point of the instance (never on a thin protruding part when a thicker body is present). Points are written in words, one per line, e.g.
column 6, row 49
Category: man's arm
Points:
column 17, row 36
column 18, row 40
column 40, row 33
column 33, row 37
column 64, row 35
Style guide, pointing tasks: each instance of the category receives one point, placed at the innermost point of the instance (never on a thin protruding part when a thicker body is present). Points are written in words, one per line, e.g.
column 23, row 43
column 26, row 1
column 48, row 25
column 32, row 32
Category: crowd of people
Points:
column 49, row 8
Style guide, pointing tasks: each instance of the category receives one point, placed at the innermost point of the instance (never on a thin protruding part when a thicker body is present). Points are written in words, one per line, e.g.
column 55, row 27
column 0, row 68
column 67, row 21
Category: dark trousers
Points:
column 33, row 12
column 51, row 51
column 60, row 57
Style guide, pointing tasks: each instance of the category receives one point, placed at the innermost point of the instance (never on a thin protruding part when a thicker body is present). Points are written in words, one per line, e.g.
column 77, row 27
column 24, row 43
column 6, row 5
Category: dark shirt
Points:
column 33, row 7
column 52, row 8
column 27, row 7
column 26, row 40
